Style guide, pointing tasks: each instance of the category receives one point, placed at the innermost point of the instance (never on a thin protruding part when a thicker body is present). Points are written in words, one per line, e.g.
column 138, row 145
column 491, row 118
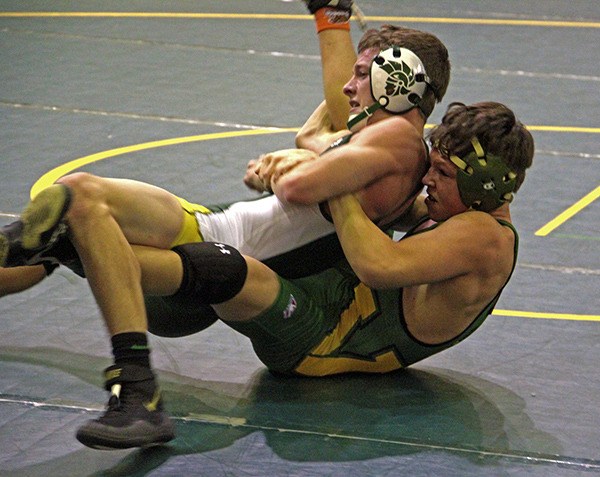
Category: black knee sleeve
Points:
column 212, row 272
column 171, row 317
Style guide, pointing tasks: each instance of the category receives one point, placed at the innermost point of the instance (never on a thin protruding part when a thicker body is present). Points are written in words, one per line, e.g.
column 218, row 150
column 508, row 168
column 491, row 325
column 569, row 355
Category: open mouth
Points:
column 354, row 105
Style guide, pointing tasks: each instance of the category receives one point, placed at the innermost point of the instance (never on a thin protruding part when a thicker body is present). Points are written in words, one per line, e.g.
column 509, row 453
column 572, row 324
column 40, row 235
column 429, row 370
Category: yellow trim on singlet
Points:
column 326, row 366
column 322, row 360
column 190, row 230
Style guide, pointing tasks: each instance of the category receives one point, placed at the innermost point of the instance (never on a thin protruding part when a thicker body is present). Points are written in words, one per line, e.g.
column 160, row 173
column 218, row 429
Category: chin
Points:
column 435, row 217
column 434, row 214
column 358, row 126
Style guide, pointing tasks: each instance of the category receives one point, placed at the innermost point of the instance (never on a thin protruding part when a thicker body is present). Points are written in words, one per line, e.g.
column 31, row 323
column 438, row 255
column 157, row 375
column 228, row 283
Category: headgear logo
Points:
column 400, row 80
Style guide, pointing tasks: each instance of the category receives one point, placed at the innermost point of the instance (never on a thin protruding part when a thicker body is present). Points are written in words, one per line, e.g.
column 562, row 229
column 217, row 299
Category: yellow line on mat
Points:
column 274, row 16
column 569, row 129
column 547, row 316
column 487, row 21
column 570, row 212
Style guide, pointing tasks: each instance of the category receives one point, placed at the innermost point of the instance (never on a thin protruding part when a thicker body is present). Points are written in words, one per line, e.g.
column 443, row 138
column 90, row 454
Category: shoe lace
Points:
column 114, row 402
column 123, row 399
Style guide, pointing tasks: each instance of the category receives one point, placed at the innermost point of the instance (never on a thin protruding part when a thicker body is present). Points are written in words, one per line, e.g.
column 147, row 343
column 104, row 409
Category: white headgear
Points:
column 398, row 83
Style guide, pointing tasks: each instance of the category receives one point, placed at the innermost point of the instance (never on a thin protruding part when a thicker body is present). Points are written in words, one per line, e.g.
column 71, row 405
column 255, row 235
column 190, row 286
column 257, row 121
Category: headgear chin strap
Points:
column 398, row 83
column 484, row 181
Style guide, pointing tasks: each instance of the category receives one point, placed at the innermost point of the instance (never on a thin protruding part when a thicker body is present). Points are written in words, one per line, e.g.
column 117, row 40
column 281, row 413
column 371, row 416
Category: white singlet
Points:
column 266, row 227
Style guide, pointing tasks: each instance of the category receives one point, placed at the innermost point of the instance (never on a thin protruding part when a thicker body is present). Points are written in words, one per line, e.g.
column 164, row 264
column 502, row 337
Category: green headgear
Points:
column 484, row 181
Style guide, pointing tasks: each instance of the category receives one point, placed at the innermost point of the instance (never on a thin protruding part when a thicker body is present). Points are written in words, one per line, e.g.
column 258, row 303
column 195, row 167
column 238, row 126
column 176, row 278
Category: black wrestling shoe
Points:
column 26, row 241
column 63, row 253
column 134, row 416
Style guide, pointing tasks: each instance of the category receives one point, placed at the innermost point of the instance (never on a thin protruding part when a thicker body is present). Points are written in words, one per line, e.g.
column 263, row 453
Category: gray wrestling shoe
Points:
column 134, row 416
column 41, row 226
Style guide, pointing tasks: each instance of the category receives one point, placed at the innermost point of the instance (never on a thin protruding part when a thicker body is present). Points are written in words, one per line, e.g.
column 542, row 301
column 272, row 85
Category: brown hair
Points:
column 430, row 50
column 496, row 128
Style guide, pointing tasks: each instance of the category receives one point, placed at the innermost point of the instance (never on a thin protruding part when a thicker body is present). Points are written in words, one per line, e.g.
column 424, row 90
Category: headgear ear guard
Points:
column 398, row 83
column 484, row 181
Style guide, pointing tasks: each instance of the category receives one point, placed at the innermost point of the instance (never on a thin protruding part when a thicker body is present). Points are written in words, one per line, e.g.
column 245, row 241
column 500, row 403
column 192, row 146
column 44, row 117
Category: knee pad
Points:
column 173, row 318
column 212, row 272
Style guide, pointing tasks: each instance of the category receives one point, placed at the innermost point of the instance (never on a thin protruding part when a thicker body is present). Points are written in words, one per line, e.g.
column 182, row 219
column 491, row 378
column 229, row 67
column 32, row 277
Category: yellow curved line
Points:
column 570, row 212
column 275, row 16
column 53, row 175
column 547, row 316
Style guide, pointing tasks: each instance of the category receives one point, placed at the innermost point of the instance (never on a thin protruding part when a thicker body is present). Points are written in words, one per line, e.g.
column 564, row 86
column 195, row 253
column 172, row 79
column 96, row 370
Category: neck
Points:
column 501, row 213
column 414, row 117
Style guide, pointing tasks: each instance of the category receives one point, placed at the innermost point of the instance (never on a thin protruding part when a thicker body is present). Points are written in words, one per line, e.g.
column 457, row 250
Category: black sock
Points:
column 131, row 348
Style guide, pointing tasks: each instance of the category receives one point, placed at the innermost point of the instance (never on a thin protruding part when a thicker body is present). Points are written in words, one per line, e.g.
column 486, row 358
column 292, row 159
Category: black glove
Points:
column 314, row 5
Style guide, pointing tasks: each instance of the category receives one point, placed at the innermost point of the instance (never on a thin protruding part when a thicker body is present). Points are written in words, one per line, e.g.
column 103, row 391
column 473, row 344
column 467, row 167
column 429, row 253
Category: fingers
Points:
column 251, row 179
column 270, row 167
column 266, row 167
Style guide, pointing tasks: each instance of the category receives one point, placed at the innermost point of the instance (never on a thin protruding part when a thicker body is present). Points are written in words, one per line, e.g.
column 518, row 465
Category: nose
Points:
column 427, row 179
column 349, row 88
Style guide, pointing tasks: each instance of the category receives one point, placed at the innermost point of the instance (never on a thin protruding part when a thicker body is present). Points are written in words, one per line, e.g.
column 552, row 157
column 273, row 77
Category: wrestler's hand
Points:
column 251, row 179
column 270, row 167
column 314, row 5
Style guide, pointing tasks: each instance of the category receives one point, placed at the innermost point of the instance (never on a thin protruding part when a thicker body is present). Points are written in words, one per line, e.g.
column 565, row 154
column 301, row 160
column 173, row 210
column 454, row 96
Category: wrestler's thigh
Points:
column 147, row 214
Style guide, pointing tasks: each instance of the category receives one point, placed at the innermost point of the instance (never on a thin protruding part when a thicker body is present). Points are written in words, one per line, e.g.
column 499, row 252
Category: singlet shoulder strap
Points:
column 338, row 142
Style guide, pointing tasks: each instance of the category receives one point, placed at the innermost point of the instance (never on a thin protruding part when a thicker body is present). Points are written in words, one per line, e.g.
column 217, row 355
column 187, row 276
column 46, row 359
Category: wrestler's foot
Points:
column 26, row 241
column 134, row 416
